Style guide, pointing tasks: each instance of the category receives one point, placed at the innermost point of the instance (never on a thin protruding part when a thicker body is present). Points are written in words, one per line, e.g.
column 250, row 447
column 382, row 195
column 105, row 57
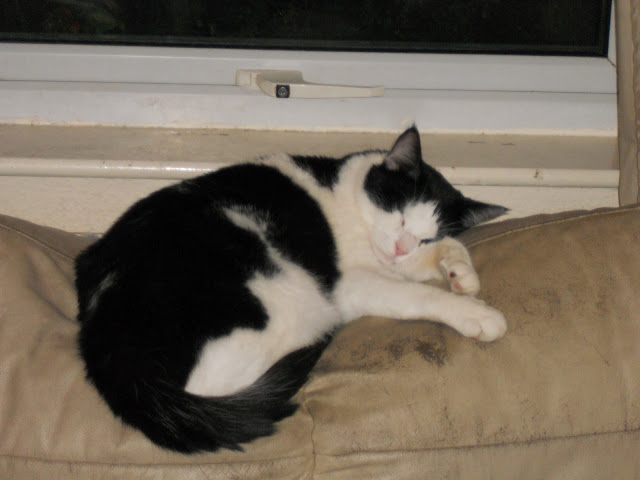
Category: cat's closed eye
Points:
column 424, row 241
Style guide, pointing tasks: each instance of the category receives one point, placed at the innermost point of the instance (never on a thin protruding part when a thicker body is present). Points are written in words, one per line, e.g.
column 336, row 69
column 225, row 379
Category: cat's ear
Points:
column 406, row 153
column 475, row 212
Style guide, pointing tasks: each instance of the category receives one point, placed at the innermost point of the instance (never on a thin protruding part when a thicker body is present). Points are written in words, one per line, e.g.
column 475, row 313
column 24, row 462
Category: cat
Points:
column 204, row 307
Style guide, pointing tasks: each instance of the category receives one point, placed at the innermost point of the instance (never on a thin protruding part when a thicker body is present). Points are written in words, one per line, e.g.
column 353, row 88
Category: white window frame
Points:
column 188, row 87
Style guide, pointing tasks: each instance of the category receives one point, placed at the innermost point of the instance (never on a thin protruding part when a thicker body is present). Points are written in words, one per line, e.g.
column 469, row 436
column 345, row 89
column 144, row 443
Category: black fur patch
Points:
column 177, row 269
column 325, row 170
column 403, row 178
column 297, row 227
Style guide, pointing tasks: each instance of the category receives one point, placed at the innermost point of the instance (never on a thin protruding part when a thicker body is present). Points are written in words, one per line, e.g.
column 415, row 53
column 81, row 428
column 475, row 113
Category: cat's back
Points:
column 216, row 226
column 181, row 209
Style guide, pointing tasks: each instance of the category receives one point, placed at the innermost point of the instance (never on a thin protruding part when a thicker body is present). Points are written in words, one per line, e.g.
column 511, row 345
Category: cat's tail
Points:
column 178, row 420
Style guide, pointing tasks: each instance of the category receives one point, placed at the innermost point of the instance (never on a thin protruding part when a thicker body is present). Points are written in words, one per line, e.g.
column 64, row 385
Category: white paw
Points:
column 480, row 321
column 456, row 267
column 462, row 278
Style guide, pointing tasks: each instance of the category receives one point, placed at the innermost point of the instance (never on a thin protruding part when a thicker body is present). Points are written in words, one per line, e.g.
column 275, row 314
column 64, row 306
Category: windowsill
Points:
column 163, row 153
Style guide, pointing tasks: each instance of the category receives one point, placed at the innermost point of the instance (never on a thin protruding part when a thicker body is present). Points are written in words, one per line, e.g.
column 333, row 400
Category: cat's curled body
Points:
column 206, row 304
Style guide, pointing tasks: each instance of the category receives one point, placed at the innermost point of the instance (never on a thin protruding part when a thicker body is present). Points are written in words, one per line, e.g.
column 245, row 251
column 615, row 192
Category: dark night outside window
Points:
column 554, row 27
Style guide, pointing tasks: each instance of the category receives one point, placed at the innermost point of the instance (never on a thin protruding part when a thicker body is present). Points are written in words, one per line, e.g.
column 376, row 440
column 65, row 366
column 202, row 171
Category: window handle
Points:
column 290, row 84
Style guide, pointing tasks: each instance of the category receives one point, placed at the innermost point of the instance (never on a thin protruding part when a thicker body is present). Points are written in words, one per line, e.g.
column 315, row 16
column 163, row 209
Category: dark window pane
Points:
column 577, row 27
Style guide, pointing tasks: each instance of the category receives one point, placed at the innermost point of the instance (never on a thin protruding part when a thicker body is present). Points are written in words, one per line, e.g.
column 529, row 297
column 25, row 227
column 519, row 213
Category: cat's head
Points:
column 407, row 204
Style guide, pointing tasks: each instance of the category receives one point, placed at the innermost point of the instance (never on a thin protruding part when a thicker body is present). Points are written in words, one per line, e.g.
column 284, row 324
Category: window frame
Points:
column 195, row 87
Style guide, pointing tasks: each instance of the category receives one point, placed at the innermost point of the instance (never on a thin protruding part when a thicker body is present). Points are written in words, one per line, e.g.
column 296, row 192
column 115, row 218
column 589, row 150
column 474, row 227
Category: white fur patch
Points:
column 106, row 283
column 247, row 220
column 299, row 315
column 396, row 236
column 422, row 220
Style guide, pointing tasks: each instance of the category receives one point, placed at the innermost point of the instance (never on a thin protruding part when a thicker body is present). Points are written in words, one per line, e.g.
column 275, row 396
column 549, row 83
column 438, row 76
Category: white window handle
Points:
column 290, row 84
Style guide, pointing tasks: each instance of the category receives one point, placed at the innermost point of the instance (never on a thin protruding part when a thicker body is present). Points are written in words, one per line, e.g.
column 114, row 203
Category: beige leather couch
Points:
column 557, row 398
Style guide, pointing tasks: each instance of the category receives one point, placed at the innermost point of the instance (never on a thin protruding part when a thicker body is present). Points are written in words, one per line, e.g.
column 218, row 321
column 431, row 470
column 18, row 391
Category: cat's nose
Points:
column 405, row 244
column 399, row 250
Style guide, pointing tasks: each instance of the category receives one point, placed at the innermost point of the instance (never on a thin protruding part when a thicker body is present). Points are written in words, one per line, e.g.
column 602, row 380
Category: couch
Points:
column 557, row 398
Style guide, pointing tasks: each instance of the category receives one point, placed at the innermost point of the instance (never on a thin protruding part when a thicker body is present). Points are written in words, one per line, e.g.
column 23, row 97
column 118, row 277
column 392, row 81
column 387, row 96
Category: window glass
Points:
column 567, row 27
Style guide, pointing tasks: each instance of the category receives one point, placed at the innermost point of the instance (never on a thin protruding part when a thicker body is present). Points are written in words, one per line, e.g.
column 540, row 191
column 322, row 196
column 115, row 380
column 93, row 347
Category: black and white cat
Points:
column 206, row 305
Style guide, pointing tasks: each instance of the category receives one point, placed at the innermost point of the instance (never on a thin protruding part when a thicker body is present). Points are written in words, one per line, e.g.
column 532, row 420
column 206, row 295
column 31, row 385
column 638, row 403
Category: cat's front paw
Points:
column 493, row 325
column 462, row 278
column 480, row 321
column 456, row 267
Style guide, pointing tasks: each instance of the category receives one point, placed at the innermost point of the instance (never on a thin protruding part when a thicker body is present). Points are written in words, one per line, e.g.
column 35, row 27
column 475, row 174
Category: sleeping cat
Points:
column 205, row 306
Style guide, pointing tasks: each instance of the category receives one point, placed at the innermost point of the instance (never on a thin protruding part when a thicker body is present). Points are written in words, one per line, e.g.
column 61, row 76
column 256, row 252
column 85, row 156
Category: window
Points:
column 492, row 65
column 575, row 27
